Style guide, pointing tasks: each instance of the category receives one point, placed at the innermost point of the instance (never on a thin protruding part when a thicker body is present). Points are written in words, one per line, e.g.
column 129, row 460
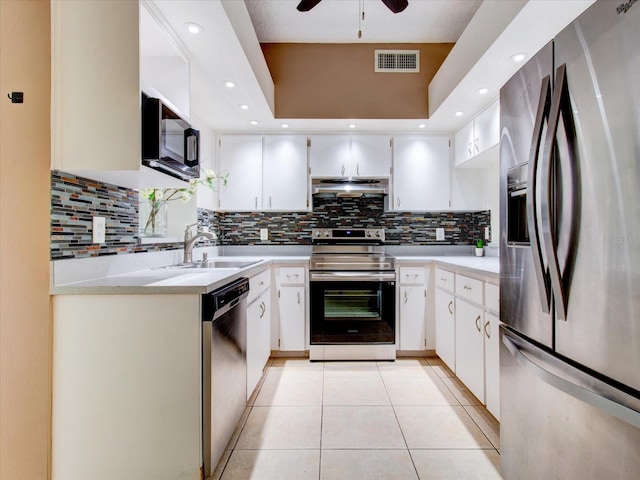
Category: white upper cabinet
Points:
column 475, row 142
column 350, row 155
column 420, row 173
column 370, row 156
column 96, row 93
column 284, row 173
column 264, row 172
column 240, row 157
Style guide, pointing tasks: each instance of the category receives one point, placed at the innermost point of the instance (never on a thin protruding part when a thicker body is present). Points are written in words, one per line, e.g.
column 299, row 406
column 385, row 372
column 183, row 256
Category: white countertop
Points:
column 205, row 280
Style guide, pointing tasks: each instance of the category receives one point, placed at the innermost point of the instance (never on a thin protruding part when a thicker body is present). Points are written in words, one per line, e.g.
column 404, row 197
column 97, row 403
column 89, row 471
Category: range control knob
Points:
column 327, row 233
column 378, row 233
column 318, row 233
column 369, row 233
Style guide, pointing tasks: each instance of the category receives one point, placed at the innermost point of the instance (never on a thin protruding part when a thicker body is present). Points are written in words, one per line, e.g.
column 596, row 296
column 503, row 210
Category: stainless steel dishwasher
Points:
column 224, row 367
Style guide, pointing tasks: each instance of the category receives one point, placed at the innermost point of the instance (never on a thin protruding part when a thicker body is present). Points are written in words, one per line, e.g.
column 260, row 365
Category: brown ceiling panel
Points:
column 338, row 80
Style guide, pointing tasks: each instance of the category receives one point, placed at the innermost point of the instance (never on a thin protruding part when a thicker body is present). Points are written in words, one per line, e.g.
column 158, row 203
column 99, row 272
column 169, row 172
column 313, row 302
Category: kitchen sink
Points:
column 228, row 264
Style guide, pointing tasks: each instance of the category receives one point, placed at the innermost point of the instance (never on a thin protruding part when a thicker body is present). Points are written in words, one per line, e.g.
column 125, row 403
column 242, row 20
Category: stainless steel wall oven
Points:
column 353, row 293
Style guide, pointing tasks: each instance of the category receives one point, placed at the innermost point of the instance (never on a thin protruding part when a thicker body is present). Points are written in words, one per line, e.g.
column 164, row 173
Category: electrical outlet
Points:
column 99, row 229
column 486, row 233
column 439, row 233
column 264, row 234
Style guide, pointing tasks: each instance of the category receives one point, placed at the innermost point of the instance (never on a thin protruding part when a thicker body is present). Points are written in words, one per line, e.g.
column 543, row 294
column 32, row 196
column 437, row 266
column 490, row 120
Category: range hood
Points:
column 350, row 187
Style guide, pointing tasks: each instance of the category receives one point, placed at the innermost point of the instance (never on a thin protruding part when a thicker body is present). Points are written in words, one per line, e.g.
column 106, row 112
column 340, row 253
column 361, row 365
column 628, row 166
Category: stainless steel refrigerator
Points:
column 570, row 253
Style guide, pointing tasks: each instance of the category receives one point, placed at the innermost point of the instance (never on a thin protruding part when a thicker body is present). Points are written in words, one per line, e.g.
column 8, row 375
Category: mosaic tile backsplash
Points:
column 75, row 200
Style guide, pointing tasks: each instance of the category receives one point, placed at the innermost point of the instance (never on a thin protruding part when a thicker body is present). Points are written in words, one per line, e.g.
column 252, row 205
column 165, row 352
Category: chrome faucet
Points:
column 190, row 240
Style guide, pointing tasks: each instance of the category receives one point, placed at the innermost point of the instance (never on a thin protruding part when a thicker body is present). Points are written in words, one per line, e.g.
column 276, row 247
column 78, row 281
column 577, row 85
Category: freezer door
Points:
column 597, row 226
column 558, row 423
column 524, row 287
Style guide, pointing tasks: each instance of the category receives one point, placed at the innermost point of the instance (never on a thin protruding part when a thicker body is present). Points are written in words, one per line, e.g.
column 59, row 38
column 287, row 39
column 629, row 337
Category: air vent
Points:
column 407, row 61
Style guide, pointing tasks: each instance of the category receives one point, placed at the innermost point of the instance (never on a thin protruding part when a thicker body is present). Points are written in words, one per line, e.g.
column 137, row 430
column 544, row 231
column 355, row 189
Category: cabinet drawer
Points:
column 412, row 275
column 469, row 288
column 492, row 297
column 445, row 279
column 258, row 284
column 292, row 275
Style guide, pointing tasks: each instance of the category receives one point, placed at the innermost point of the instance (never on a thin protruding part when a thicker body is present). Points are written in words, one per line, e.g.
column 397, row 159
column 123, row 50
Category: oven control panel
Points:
column 348, row 234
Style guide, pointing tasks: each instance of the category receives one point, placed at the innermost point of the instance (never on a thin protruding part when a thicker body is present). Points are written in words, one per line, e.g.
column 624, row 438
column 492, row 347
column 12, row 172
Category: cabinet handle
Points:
column 406, row 299
column 261, row 282
column 263, row 307
column 486, row 331
column 298, row 296
column 358, row 169
column 476, row 145
column 469, row 149
column 295, row 275
column 342, row 169
column 478, row 322
column 449, row 307
column 269, row 201
column 256, row 202
column 443, row 279
column 467, row 287
column 398, row 202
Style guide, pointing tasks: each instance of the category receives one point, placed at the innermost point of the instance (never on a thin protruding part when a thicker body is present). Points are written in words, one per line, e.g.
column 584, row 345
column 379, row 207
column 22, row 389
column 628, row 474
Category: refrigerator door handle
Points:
column 560, row 104
column 544, row 107
column 576, row 383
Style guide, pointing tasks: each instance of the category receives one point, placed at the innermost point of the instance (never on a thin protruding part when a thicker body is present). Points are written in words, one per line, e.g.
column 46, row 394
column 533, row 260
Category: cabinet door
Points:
column 330, row 155
column 445, row 328
column 258, row 339
column 370, row 156
column 492, row 363
column 487, row 128
column 284, row 167
column 464, row 143
column 421, row 173
column 412, row 318
column 470, row 347
column 292, row 318
column 240, row 156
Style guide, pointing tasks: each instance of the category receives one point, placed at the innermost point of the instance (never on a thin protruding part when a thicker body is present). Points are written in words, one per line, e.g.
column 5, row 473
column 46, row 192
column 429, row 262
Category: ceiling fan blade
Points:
column 306, row 5
column 396, row 6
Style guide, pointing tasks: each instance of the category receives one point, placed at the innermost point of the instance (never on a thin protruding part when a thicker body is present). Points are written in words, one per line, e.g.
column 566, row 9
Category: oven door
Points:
column 352, row 308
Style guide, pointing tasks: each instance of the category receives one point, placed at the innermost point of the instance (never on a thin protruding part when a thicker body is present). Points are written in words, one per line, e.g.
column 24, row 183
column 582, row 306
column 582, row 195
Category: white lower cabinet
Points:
column 446, row 328
column 258, row 327
column 413, row 308
column 412, row 318
column 492, row 363
column 289, row 332
column 258, row 338
column 467, row 333
column 470, row 346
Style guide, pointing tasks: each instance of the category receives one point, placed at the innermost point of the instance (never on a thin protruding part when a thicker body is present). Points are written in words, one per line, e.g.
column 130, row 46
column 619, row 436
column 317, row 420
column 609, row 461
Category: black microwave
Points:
column 169, row 144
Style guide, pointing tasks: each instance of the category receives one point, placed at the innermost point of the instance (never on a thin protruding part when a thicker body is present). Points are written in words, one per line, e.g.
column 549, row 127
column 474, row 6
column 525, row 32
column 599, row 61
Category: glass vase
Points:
column 153, row 219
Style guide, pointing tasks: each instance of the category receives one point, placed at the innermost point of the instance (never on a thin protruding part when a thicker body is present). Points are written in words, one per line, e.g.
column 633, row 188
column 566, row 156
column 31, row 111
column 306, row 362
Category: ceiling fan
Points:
column 396, row 6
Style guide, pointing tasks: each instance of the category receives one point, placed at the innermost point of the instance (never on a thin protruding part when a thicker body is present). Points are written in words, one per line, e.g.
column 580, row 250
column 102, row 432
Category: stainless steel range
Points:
column 353, row 292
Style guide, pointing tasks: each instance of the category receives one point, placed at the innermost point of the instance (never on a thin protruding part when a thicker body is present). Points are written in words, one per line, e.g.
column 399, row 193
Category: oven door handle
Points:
column 352, row 276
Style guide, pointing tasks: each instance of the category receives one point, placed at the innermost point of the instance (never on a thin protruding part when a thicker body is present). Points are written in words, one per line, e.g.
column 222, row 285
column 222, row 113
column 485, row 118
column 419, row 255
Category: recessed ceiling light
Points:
column 193, row 28
column 518, row 57
column 422, row 125
column 352, row 125
column 459, row 114
column 229, row 84
column 284, row 125
column 483, row 90
column 253, row 122
column 244, row 106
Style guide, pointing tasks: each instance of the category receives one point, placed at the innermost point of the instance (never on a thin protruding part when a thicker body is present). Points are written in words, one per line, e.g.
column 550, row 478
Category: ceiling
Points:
column 486, row 33
column 337, row 21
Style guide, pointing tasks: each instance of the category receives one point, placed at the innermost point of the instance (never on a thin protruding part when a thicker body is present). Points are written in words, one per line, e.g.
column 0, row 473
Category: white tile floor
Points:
column 411, row 419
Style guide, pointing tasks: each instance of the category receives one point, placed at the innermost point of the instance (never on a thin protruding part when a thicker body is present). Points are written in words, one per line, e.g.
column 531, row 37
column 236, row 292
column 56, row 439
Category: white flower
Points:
column 210, row 174
column 186, row 196
column 159, row 194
